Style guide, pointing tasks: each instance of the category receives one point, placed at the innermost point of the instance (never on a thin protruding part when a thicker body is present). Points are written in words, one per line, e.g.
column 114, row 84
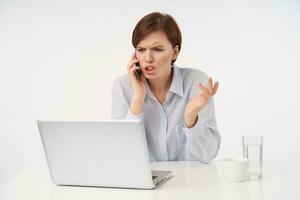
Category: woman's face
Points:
column 155, row 54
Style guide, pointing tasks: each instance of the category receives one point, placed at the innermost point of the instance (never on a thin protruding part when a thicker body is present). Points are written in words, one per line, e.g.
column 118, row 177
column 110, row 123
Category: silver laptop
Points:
column 105, row 153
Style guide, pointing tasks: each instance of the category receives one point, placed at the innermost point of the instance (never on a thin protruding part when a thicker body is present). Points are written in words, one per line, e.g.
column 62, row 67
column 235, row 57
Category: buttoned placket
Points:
column 163, row 128
column 163, row 133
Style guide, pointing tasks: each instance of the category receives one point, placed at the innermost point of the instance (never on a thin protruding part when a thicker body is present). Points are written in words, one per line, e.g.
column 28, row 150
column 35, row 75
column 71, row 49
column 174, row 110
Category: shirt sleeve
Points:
column 120, row 104
column 202, row 140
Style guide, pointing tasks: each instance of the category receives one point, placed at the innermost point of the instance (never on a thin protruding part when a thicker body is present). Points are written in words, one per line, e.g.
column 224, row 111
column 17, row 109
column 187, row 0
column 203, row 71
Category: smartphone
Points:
column 138, row 72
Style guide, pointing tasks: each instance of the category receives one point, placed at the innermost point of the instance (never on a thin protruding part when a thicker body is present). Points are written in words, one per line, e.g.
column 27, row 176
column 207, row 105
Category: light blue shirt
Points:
column 167, row 136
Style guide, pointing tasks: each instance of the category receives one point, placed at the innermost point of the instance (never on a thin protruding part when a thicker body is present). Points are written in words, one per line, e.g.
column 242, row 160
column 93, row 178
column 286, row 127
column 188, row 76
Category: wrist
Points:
column 138, row 99
column 190, row 121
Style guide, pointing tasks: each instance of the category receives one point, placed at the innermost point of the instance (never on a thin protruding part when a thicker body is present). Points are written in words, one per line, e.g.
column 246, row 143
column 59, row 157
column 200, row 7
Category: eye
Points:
column 140, row 49
column 158, row 49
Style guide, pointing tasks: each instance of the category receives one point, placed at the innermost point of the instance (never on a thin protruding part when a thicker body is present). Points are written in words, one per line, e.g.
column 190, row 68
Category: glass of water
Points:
column 253, row 151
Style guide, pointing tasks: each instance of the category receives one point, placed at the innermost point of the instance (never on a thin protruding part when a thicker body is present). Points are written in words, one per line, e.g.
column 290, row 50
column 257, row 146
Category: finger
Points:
column 129, row 66
column 215, row 87
column 133, row 69
column 202, row 87
column 135, row 59
column 132, row 60
column 206, row 95
column 133, row 74
column 204, row 91
column 132, row 64
column 203, row 97
column 210, row 85
column 207, row 89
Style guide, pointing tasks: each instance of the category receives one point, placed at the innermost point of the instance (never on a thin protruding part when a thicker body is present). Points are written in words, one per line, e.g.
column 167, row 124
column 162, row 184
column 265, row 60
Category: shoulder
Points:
column 190, row 78
column 121, row 81
column 122, row 86
column 190, row 75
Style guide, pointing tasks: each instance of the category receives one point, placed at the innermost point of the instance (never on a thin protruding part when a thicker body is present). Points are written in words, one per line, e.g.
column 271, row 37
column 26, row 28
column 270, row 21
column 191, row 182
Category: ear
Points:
column 176, row 52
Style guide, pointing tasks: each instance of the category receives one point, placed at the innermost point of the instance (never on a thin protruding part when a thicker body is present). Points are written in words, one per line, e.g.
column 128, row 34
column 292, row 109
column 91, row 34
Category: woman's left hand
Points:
column 198, row 102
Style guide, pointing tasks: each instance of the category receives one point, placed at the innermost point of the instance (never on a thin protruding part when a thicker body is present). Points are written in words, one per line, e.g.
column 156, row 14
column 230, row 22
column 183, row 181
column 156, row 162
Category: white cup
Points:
column 235, row 170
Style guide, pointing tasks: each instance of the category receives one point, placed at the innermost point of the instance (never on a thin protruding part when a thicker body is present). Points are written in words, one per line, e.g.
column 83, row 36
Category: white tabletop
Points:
column 191, row 180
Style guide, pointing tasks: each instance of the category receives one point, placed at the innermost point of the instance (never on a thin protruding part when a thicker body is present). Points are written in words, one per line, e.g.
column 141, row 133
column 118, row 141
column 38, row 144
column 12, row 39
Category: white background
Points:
column 58, row 60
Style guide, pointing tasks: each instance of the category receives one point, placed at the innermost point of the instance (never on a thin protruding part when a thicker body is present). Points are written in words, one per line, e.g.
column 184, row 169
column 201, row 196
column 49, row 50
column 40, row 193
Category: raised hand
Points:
column 199, row 101
column 138, row 86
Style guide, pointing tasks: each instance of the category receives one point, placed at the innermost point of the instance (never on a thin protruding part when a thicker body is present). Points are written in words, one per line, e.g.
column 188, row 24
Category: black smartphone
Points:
column 138, row 71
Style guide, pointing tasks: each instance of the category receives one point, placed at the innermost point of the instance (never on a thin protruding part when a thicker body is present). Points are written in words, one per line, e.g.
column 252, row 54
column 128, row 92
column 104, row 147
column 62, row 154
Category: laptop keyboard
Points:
column 154, row 177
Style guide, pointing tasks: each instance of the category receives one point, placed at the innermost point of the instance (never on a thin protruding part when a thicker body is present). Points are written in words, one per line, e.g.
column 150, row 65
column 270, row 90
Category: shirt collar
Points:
column 177, row 82
column 176, row 85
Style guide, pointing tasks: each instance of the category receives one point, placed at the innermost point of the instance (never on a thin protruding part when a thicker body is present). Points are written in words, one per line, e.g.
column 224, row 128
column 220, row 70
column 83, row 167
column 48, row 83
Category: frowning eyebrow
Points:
column 158, row 46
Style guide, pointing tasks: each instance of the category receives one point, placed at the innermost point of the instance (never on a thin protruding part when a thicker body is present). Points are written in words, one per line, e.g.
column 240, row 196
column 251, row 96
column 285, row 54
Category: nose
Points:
column 149, row 57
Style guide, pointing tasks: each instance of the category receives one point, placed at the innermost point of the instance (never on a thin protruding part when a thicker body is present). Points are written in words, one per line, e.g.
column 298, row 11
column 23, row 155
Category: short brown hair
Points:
column 157, row 21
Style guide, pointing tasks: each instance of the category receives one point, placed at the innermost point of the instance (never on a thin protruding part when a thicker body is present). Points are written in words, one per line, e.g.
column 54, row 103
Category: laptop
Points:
column 102, row 153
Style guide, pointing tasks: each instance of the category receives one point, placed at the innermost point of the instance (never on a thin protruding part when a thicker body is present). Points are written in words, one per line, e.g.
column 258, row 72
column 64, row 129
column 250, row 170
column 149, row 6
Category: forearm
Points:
column 136, row 105
column 191, row 119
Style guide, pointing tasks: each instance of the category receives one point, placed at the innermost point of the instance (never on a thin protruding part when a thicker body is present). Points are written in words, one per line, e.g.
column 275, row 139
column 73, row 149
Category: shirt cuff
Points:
column 130, row 115
column 198, row 130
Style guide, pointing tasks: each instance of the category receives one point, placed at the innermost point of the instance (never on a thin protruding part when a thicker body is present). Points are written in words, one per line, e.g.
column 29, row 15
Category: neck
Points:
column 162, row 83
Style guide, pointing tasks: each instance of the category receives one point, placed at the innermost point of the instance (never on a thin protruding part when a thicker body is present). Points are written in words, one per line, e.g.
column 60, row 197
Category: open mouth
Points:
column 149, row 70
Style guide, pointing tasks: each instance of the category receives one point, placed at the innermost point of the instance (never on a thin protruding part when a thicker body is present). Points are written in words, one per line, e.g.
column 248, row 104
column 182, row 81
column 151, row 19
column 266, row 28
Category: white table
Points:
column 191, row 180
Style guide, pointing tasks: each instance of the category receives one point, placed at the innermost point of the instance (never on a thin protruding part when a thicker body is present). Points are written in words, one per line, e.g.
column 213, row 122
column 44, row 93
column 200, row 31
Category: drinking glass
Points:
column 253, row 151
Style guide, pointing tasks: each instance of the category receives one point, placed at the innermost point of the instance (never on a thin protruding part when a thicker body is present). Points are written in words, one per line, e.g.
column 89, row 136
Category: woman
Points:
column 175, row 103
